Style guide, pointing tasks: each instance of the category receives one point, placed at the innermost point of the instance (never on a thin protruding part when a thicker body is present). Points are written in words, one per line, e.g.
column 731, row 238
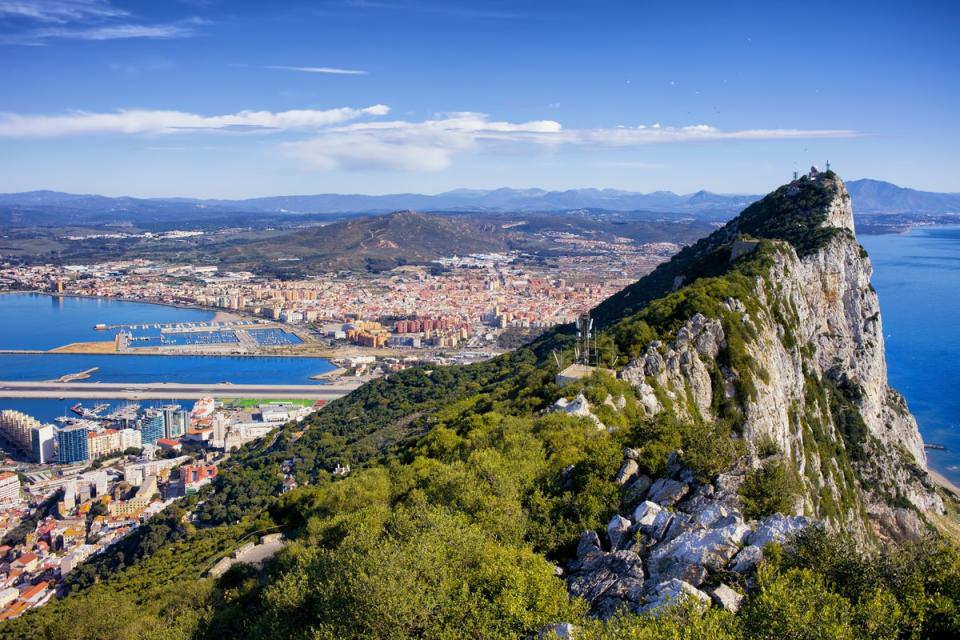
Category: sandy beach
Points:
column 941, row 480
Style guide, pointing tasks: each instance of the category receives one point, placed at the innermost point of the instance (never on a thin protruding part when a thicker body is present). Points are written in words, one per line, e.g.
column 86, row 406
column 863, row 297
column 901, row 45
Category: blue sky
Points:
column 236, row 99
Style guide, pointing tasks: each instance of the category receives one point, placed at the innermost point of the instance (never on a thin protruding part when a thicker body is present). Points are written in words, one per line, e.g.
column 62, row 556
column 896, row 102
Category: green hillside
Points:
column 465, row 497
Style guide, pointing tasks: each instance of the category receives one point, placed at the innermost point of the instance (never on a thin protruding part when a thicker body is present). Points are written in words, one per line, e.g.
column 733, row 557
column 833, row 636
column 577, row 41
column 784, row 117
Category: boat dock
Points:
column 186, row 327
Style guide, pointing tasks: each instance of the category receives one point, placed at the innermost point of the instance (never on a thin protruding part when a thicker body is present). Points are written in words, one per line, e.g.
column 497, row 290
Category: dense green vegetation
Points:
column 452, row 534
column 466, row 493
column 770, row 489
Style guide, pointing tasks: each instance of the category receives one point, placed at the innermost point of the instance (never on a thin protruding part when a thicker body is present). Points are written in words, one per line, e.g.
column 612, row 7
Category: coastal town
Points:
column 458, row 304
column 68, row 492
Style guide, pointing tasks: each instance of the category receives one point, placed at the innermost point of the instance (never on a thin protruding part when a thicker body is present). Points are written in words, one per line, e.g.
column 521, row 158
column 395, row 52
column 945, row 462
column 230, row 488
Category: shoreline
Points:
column 219, row 315
column 942, row 481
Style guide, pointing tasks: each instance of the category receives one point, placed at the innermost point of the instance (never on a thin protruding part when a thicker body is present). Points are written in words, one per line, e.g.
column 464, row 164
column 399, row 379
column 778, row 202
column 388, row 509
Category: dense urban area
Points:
column 455, row 303
column 70, row 491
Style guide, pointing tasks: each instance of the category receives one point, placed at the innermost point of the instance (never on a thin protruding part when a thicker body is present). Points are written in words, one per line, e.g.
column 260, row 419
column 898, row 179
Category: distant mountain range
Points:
column 384, row 241
column 878, row 197
column 48, row 208
column 371, row 243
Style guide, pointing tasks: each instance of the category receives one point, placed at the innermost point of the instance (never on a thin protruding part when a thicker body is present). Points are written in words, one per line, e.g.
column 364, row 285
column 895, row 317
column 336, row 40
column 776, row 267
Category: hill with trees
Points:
column 748, row 473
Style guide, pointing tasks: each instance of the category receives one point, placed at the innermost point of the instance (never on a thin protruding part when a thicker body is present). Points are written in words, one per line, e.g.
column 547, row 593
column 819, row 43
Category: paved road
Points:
column 172, row 390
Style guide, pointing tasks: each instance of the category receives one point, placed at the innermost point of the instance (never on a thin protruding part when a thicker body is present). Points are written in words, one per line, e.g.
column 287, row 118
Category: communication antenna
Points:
column 584, row 333
column 828, row 165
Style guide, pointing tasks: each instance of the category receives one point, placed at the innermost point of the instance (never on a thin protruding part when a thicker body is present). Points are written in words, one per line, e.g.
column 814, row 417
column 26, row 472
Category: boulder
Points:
column 657, row 530
column 777, row 528
column 579, row 407
column 693, row 574
column 646, row 513
column 648, row 399
column 589, row 545
column 726, row 597
column 709, row 548
column 710, row 514
column 746, row 560
column 636, row 490
column 618, row 530
column 667, row 492
column 680, row 523
column 728, row 482
column 627, row 471
column 618, row 575
column 673, row 592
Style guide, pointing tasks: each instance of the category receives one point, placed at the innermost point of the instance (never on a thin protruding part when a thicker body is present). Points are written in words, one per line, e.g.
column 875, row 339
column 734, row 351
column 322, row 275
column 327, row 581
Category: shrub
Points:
column 770, row 489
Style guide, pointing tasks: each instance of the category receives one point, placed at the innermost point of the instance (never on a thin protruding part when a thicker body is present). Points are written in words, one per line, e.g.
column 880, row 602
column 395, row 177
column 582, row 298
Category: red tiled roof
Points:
column 36, row 589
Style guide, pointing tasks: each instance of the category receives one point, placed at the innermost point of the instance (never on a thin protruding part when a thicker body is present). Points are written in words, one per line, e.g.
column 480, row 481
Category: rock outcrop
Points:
column 671, row 547
column 798, row 353
column 817, row 373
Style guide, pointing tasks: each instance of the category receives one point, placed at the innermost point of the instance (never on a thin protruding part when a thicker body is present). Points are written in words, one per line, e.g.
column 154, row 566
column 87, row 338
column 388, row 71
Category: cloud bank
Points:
column 432, row 145
column 361, row 139
column 141, row 121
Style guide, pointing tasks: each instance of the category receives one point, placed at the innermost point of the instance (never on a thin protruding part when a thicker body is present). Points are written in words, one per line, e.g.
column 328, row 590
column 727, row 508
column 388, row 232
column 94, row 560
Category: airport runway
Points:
column 172, row 390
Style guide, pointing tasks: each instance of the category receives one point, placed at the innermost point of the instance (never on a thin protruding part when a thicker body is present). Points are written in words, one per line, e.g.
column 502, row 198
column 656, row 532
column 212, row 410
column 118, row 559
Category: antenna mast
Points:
column 584, row 333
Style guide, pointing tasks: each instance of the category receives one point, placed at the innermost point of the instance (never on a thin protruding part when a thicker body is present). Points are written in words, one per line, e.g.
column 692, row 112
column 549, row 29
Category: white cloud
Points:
column 59, row 11
column 359, row 139
column 39, row 21
column 183, row 29
column 337, row 71
column 432, row 145
column 413, row 146
column 139, row 121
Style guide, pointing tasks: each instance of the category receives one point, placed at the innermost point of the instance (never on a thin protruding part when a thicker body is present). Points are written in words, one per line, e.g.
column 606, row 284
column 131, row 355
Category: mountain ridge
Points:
column 871, row 197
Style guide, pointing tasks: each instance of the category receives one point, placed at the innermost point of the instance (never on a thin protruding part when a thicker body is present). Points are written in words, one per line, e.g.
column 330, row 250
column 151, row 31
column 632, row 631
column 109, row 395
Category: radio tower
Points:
column 584, row 334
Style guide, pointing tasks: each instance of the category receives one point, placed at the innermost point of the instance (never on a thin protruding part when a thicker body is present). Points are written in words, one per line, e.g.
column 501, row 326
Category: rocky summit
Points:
column 793, row 361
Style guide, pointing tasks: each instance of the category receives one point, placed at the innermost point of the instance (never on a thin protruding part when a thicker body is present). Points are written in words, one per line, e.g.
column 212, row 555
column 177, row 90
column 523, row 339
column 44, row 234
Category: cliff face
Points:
column 817, row 351
column 778, row 333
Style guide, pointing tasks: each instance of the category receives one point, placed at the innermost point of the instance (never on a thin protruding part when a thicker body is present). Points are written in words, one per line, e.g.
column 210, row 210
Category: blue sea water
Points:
column 917, row 276
column 132, row 368
column 37, row 321
column 32, row 321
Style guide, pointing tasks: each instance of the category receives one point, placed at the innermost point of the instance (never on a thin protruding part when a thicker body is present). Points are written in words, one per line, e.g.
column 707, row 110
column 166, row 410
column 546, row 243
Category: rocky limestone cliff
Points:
column 793, row 359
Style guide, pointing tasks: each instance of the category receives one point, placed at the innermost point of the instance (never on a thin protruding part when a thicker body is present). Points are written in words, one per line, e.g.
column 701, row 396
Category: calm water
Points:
column 917, row 276
column 29, row 321
column 34, row 321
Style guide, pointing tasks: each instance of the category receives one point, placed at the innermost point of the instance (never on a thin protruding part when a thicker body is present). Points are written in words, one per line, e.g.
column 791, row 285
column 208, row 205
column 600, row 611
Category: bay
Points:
column 37, row 321
column 917, row 276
